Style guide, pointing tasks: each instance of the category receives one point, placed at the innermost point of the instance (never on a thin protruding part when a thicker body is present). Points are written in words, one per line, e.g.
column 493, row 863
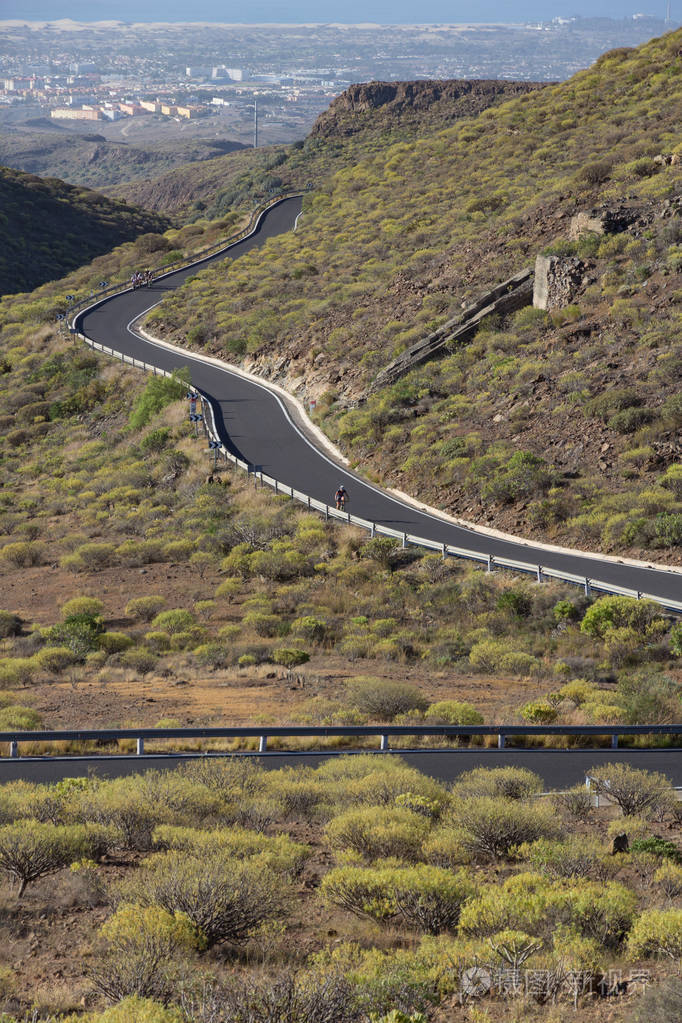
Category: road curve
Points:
column 255, row 425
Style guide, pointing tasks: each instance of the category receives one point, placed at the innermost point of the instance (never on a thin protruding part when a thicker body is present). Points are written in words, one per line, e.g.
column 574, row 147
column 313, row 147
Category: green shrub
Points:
column 22, row 554
column 620, row 612
column 145, row 608
column 23, row 719
column 115, row 642
column 174, row 621
column 211, row 655
column 90, row 557
column 30, row 849
column 425, row 898
column 539, row 712
column 141, row 1010
column 603, row 912
column 10, row 624
column 630, row 419
column 444, row 847
column 55, row 658
column 525, row 475
column 383, row 699
column 499, row 782
column 143, row 946
column 17, row 671
column 676, row 639
column 158, row 393
column 139, row 659
column 634, row 791
column 379, row 832
column 263, row 624
column 288, row 658
column 669, row 877
column 576, row 856
column 576, row 802
column 79, row 633
column 492, row 827
column 224, row 900
column 657, row 847
column 278, row 852
column 178, row 550
column 669, row 529
column 91, row 607
column 314, row 630
column 451, row 712
column 657, row 933
column 155, row 440
column 516, row 602
column 523, row 902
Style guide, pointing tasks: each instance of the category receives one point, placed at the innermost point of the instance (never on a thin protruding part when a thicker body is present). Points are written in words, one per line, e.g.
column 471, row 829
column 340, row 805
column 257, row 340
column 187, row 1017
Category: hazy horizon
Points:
column 385, row 12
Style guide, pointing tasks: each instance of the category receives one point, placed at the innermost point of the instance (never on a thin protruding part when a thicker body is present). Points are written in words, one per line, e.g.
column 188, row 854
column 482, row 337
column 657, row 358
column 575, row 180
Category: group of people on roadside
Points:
column 141, row 278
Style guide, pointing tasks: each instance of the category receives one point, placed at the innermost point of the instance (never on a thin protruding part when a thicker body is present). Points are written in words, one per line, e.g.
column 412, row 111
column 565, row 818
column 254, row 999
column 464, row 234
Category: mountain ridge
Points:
column 49, row 227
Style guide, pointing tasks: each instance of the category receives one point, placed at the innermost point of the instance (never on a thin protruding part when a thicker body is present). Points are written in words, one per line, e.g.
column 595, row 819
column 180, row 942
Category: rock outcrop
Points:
column 389, row 104
column 557, row 279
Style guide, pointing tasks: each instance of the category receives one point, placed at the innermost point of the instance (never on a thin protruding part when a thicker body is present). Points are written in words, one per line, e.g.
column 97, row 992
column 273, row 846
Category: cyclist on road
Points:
column 341, row 497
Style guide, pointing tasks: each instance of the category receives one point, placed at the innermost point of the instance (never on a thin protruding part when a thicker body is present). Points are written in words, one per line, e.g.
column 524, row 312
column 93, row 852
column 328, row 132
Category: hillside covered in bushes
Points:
column 48, row 228
column 563, row 425
column 358, row 892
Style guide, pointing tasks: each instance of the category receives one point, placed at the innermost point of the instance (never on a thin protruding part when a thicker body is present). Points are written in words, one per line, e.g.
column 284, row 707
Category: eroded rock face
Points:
column 557, row 280
column 380, row 104
column 586, row 223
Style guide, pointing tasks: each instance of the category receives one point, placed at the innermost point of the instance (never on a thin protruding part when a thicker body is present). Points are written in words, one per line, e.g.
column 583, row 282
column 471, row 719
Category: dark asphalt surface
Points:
column 557, row 768
column 255, row 425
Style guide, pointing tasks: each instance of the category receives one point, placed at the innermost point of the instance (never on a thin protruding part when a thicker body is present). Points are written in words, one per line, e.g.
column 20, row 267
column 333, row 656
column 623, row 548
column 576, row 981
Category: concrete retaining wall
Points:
column 512, row 294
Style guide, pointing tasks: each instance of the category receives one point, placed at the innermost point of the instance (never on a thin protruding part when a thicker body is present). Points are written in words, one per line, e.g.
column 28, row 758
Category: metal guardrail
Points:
column 180, row 264
column 408, row 539
column 384, row 732
column 491, row 562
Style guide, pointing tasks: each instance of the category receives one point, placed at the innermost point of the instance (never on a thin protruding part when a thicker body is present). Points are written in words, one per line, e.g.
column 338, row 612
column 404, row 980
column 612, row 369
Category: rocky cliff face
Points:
column 385, row 104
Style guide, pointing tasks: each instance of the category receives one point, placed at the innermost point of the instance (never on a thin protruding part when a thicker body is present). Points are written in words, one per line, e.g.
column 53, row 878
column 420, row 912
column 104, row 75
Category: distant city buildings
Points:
column 177, row 72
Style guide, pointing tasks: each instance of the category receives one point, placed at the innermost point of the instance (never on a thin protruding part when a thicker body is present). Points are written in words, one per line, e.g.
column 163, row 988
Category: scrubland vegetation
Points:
column 362, row 890
column 49, row 228
column 563, row 425
column 103, row 482
column 358, row 891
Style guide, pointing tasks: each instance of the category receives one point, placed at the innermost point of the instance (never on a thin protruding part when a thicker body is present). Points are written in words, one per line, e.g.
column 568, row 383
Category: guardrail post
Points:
column 588, row 588
column 614, row 742
column 588, row 786
column 373, row 530
column 308, row 502
column 539, row 574
column 491, row 563
column 404, row 543
column 326, row 513
column 140, row 747
column 384, row 744
column 14, row 748
column 263, row 744
column 276, row 487
column 444, row 553
column 501, row 740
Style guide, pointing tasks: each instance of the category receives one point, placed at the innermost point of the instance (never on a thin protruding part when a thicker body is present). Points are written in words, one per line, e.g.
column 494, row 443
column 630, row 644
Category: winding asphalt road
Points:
column 254, row 424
